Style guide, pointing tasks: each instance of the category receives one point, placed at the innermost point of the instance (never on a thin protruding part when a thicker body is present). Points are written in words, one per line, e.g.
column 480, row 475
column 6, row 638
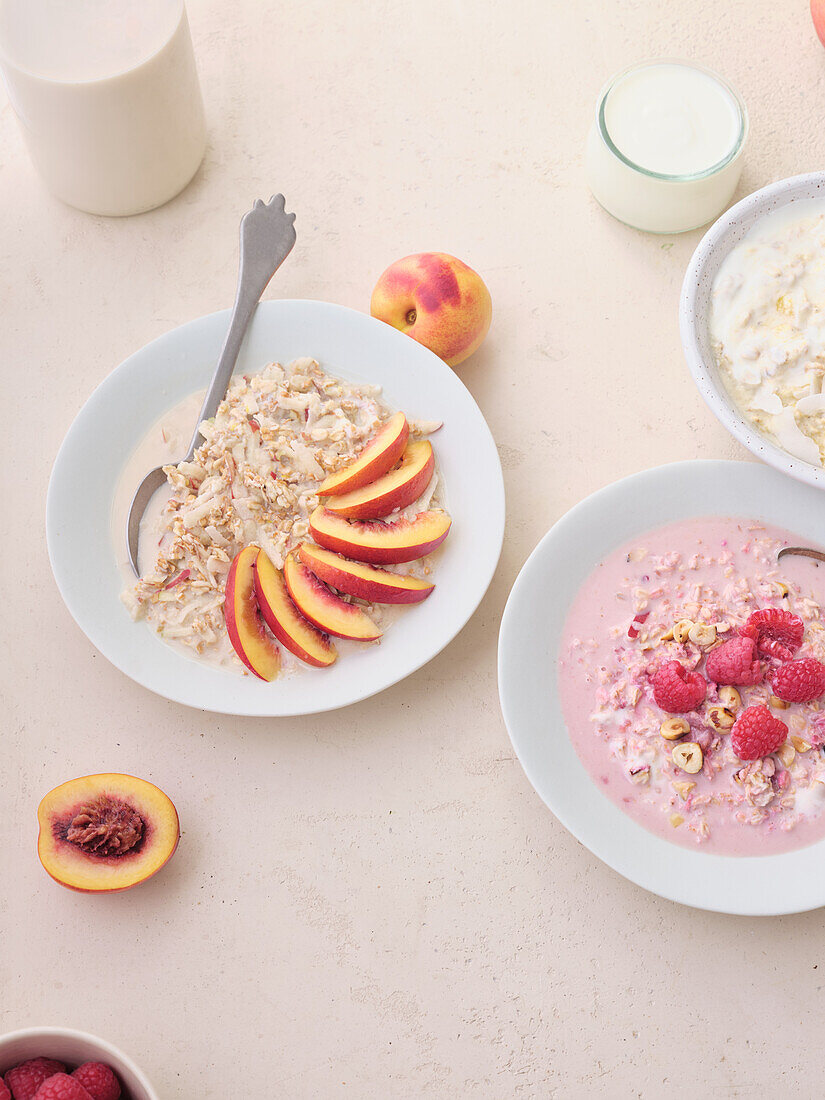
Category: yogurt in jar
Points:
column 767, row 327
column 664, row 151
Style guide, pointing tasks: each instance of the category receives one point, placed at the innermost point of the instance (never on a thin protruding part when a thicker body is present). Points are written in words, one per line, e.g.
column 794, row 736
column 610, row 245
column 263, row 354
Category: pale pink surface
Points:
column 714, row 570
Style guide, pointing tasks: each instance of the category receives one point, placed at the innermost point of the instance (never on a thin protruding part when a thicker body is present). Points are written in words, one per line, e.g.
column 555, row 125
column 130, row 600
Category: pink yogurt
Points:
column 716, row 571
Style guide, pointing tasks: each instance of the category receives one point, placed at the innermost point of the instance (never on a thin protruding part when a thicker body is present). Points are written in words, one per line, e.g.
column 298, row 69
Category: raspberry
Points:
column 799, row 681
column 776, row 633
column 677, row 690
column 4, row 1092
column 24, row 1080
column 61, row 1087
column 98, row 1080
column 756, row 733
column 735, row 662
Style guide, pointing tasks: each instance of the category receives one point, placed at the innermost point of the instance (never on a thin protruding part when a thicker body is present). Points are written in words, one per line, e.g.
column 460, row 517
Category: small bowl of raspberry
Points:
column 59, row 1063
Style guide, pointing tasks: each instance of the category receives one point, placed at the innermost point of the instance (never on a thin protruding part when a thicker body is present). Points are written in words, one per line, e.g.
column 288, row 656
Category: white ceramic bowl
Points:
column 73, row 1048
column 532, row 629
column 694, row 311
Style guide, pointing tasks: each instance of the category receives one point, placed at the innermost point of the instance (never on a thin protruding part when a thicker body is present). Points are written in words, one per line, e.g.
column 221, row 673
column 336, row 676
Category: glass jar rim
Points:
column 680, row 177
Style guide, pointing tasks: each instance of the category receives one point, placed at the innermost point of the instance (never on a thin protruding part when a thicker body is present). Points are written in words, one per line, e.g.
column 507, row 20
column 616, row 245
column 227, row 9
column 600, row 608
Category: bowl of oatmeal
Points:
column 649, row 664
column 752, row 321
column 142, row 415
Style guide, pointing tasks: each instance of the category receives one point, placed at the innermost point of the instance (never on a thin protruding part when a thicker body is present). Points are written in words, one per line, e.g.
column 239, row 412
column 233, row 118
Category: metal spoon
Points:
column 267, row 237
column 802, row 552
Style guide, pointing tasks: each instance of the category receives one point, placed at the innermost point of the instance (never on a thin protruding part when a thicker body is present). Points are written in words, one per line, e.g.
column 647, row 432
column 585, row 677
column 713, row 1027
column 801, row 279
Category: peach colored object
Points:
column 365, row 582
column 380, row 542
column 380, row 455
column 436, row 299
column 323, row 608
column 107, row 832
column 285, row 621
column 818, row 16
column 397, row 489
column 244, row 624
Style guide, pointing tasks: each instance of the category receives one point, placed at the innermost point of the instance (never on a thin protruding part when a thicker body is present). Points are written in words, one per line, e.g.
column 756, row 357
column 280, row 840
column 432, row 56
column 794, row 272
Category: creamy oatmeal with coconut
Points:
column 692, row 678
column 255, row 482
column 767, row 325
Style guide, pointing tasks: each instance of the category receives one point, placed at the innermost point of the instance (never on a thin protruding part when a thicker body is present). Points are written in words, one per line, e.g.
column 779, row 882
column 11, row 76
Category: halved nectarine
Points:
column 396, row 489
column 323, row 608
column 285, row 621
column 244, row 624
column 364, row 581
column 380, row 454
column 106, row 832
column 379, row 541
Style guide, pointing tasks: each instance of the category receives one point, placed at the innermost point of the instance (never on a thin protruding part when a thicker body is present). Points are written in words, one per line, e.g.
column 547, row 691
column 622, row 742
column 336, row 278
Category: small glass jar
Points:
column 707, row 123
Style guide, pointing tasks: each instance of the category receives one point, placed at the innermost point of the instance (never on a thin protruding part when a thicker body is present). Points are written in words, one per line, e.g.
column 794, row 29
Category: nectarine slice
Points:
column 396, row 489
column 364, row 581
column 376, row 540
column 285, row 621
column 106, row 832
column 380, row 454
column 244, row 624
column 323, row 608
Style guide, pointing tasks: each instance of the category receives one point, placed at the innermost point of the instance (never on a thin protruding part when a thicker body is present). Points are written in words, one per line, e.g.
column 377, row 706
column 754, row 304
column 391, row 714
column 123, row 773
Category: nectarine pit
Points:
column 106, row 827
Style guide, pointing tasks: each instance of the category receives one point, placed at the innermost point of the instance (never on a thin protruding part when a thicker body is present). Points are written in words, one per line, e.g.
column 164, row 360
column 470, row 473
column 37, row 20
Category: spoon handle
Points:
column 267, row 237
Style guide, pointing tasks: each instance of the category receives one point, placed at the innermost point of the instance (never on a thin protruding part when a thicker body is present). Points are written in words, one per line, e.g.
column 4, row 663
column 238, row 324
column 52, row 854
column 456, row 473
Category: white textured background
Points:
column 375, row 903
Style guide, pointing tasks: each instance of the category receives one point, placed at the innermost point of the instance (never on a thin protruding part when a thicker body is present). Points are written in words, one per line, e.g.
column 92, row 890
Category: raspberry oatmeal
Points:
column 275, row 438
column 692, row 675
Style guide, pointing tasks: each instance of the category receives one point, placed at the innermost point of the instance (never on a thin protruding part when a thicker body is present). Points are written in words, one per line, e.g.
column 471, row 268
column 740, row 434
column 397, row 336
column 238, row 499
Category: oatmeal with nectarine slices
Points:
column 308, row 511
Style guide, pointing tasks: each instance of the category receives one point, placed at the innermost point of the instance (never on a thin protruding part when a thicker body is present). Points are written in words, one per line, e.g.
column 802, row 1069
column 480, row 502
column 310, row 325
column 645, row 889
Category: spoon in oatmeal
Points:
column 800, row 551
column 267, row 238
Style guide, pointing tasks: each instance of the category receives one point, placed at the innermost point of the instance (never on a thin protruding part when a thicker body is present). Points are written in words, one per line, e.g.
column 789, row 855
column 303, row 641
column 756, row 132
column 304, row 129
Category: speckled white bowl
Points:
column 73, row 1047
column 694, row 315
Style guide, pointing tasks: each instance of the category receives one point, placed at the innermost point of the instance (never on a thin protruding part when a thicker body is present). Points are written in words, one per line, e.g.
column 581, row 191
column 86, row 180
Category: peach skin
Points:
column 378, row 541
column 396, row 489
column 366, row 582
column 106, row 832
column 438, row 300
column 380, row 455
column 244, row 624
column 323, row 608
column 285, row 621
column 818, row 16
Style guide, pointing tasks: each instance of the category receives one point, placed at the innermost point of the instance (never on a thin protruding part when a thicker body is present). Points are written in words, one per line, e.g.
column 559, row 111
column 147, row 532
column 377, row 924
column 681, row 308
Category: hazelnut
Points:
column 778, row 703
column 722, row 628
column 683, row 789
column 783, row 589
column 800, row 744
column 721, row 718
column 681, row 630
column 786, row 754
column 674, row 728
column 668, row 635
column 729, row 697
column 702, row 635
column 676, row 820
column 688, row 756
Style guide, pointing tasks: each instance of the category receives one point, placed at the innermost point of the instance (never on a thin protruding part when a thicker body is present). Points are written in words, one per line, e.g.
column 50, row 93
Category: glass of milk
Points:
column 664, row 152
column 107, row 96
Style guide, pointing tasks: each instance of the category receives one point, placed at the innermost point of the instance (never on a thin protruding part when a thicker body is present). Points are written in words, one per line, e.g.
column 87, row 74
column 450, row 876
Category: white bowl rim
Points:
column 109, row 1049
column 703, row 373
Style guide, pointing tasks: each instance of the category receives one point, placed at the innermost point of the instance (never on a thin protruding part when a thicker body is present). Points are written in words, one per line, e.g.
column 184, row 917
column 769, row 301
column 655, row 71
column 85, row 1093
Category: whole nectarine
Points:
column 438, row 300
